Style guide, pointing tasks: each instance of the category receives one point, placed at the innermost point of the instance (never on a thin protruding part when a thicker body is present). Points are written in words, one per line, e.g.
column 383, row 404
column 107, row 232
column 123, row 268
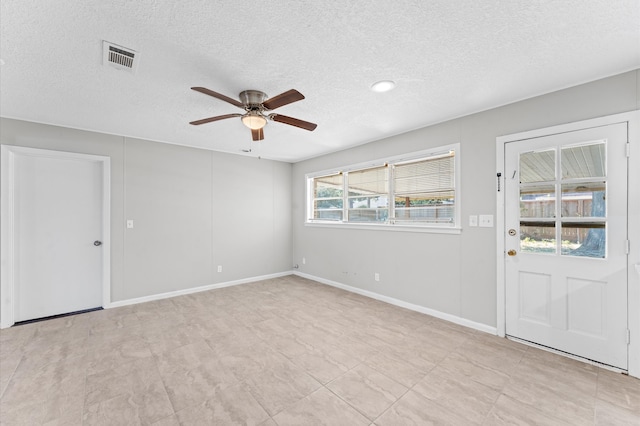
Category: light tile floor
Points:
column 290, row 351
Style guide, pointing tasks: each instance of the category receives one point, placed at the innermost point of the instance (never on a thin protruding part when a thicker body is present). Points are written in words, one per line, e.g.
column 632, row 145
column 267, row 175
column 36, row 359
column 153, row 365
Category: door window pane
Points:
column 538, row 201
column 538, row 166
column 584, row 161
column 586, row 239
column 584, row 199
column 537, row 237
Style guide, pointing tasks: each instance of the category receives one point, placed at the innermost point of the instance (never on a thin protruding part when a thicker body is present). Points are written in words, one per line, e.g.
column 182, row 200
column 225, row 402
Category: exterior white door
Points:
column 58, row 234
column 566, row 242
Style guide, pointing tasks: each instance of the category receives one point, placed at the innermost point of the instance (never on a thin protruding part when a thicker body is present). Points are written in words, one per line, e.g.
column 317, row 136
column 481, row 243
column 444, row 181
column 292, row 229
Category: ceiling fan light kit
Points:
column 255, row 103
column 254, row 121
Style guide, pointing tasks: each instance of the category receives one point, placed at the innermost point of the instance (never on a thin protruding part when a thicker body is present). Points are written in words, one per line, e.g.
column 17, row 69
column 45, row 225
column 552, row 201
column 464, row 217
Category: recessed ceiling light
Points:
column 383, row 86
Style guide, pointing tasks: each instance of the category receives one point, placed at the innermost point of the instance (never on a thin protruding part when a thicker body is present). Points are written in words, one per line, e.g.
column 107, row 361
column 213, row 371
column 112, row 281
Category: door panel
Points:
column 585, row 310
column 566, row 275
column 534, row 297
column 58, row 211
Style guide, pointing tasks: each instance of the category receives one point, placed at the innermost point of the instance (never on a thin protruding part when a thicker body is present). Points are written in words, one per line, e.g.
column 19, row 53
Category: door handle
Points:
column 512, row 252
column 97, row 243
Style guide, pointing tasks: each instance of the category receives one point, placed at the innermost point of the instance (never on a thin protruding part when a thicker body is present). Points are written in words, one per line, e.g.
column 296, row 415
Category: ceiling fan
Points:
column 255, row 104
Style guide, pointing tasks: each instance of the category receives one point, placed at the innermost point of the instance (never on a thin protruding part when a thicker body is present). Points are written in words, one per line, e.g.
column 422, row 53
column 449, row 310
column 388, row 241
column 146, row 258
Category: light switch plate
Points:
column 473, row 220
column 486, row 220
column 129, row 224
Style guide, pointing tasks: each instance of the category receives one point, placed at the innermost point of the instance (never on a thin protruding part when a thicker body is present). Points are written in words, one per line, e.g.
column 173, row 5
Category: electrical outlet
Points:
column 376, row 276
column 304, row 261
column 129, row 224
column 486, row 220
column 219, row 268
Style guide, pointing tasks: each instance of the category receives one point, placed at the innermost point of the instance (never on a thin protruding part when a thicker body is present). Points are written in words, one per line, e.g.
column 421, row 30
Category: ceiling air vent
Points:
column 119, row 57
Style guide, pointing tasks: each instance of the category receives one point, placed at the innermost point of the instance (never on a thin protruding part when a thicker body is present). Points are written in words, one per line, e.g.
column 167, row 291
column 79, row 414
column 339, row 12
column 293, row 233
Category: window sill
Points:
column 381, row 227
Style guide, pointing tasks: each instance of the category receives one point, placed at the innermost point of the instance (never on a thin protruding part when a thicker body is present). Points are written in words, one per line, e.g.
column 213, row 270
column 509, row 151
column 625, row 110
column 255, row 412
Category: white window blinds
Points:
column 424, row 190
column 368, row 195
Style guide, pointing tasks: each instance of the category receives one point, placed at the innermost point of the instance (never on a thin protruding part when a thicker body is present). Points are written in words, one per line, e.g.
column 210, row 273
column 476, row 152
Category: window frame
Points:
column 391, row 224
column 312, row 200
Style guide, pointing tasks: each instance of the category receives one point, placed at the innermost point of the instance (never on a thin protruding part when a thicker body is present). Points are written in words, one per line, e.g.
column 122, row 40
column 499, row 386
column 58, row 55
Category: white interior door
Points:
column 58, row 234
column 566, row 242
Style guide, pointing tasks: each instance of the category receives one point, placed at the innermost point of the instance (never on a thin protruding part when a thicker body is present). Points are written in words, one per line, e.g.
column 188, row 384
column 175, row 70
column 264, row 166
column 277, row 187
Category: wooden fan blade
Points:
column 282, row 99
column 257, row 134
column 216, row 118
column 218, row 96
column 294, row 122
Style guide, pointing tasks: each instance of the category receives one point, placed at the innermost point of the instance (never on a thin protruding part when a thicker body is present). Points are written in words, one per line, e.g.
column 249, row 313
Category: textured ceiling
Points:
column 449, row 58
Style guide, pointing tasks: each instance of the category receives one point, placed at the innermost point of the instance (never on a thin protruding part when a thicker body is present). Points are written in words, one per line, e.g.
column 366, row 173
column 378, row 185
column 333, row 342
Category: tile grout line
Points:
column 347, row 402
column 435, row 365
column 501, row 393
column 13, row 372
column 164, row 385
column 84, row 384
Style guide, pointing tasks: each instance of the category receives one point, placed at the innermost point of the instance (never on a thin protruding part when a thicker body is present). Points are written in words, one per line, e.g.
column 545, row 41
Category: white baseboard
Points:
column 397, row 302
column 441, row 315
column 193, row 290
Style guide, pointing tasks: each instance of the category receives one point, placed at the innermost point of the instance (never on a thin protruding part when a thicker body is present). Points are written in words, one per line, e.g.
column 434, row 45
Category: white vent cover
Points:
column 119, row 57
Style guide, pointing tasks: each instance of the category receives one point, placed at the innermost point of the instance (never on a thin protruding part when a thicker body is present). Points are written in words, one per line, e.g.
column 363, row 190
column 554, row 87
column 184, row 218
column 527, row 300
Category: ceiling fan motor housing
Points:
column 252, row 99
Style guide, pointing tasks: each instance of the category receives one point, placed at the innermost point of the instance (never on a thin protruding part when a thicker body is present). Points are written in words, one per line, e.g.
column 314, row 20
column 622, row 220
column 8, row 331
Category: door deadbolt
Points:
column 512, row 252
column 97, row 243
column 512, row 232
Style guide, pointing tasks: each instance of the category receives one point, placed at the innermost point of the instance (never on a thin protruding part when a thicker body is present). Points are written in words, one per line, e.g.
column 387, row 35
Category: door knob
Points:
column 512, row 252
column 97, row 243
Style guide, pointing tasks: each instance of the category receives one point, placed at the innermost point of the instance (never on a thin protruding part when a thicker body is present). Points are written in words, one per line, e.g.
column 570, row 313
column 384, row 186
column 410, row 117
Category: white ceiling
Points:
column 449, row 58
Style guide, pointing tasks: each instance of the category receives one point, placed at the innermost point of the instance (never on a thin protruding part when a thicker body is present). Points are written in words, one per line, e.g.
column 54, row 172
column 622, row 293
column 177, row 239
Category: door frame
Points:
column 632, row 119
column 9, row 234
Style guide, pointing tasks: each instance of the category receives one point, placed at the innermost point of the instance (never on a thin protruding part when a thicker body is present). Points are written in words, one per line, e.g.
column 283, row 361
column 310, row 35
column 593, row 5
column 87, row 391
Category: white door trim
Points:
column 8, row 231
column 632, row 119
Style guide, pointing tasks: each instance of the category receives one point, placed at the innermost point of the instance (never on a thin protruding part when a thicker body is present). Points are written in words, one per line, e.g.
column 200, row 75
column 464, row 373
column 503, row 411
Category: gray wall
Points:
column 193, row 210
column 453, row 274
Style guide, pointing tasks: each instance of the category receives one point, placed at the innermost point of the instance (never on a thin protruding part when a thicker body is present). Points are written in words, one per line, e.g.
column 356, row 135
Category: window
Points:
column 414, row 190
column 328, row 197
column 425, row 190
column 368, row 199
